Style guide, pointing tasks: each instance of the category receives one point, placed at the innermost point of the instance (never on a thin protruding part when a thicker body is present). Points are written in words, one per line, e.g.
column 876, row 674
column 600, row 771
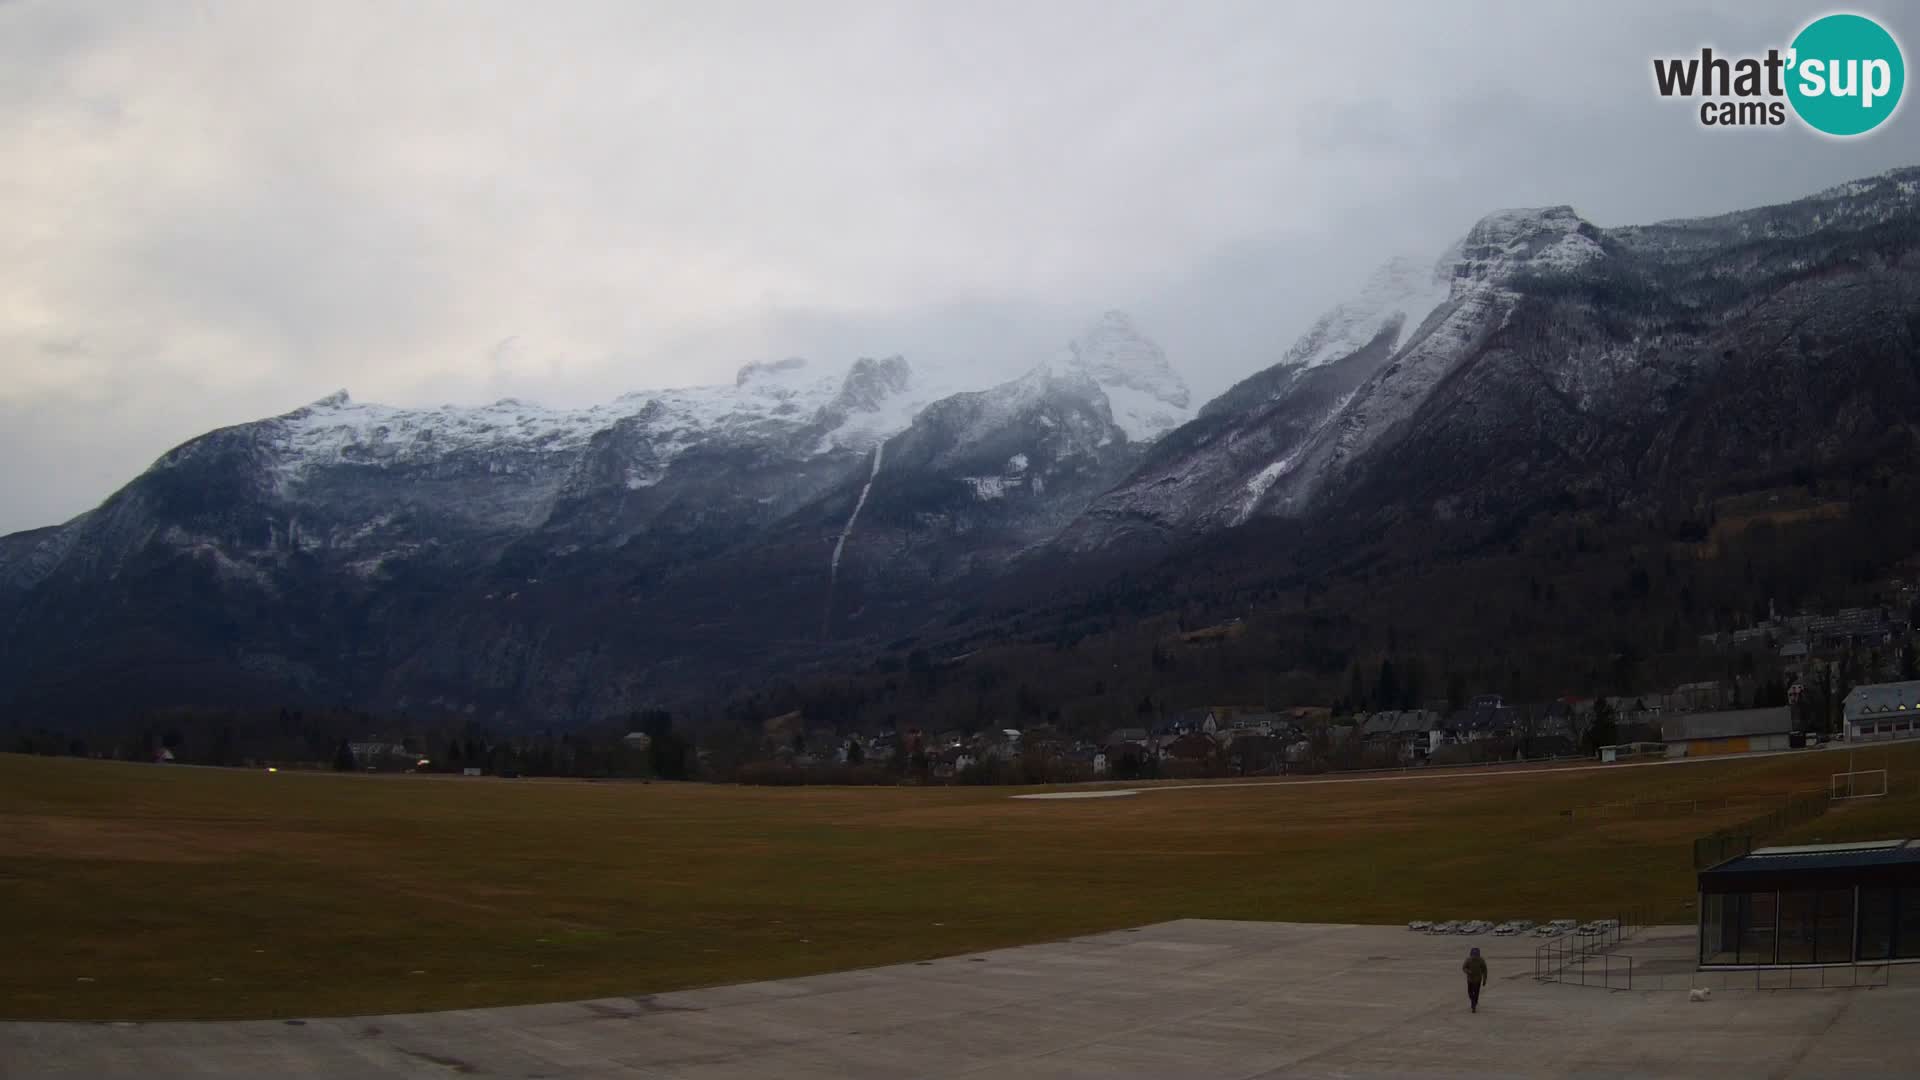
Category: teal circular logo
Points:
column 1846, row 74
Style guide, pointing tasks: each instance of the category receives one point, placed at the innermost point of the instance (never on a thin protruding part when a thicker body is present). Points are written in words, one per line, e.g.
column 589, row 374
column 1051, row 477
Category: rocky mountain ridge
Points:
column 547, row 566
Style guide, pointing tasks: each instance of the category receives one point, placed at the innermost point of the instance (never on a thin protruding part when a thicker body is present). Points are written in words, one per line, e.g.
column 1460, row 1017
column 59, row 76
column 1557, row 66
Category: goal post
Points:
column 1858, row 784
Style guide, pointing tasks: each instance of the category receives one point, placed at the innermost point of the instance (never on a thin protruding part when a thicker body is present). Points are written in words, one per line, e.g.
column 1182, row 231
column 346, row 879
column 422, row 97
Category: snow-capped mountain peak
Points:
column 1283, row 435
column 1147, row 396
column 870, row 401
column 877, row 400
column 870, row 383
column 1510, row 242
column 1404, row 291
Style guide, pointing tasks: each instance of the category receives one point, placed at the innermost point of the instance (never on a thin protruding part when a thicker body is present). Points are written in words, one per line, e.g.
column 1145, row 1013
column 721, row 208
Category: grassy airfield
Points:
column 147, row 892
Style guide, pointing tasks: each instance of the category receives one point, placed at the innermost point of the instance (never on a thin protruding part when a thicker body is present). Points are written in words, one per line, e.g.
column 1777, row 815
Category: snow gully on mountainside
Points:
column 833, row 567
column 1263, row 481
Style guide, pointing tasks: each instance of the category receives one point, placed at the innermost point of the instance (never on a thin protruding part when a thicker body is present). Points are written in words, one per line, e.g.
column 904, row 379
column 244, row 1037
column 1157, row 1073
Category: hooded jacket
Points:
column 1476, row 968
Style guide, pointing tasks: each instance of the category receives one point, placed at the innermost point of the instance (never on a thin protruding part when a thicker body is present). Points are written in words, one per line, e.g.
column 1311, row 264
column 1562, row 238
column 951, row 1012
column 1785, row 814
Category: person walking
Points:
column 1476, row 970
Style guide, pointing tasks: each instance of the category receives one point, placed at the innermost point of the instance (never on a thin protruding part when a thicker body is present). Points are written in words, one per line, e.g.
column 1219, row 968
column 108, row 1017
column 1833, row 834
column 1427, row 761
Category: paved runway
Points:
column 1182, row 999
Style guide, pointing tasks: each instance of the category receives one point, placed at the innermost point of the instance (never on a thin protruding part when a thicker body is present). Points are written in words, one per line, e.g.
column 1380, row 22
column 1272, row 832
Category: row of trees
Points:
column 291, row 736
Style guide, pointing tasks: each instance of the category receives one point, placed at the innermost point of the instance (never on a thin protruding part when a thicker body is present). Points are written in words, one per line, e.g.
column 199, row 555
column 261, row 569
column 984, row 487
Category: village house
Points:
column 1249, row 722
column 1417, row 731
column 1376, row 727
column 1490, row 717
column 951, row 761
column 1882, row 711
column 1854, row 626
column 1258, row 722
column 1554, row 730
column 1194, row 747
column 1627, row 709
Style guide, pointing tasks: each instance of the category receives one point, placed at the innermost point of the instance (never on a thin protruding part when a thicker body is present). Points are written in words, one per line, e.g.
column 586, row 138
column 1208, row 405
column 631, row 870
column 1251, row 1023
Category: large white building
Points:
column 1881, row 711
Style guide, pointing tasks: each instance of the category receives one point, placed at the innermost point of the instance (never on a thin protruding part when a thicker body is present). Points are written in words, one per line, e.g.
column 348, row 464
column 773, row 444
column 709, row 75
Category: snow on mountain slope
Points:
column 1393, row 303
column 1272, row 442
column 1501, row 247
column 977, row 479
column 1263, row 481
column 1110, row 385
column 878, row 400
column 1147, row 397
column 1217, row 471
column 363, row 484
column 520, row 565
column 1891, row 196
column 25, row 557
column 852, row 410
column 1508, row 242
column 1405, row 290
column 959, row 425
column 769, row 400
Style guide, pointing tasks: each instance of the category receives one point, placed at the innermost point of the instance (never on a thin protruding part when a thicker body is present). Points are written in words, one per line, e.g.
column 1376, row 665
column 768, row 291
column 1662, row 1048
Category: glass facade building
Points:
column 1826, row 904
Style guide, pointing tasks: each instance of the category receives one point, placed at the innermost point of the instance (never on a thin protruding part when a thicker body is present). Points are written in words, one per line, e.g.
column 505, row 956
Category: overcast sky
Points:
column 212, row 212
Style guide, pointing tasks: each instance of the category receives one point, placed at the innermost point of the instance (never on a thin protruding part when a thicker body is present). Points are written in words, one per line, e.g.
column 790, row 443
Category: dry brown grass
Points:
column 197, row 892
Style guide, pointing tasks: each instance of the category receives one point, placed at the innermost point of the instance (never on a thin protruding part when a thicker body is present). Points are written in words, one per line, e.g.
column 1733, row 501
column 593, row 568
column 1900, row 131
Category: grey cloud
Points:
column 224, row 210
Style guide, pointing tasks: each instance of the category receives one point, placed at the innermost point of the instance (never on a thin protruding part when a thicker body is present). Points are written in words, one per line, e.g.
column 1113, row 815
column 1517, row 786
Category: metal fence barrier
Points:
column 1587, row 959
column 1591, row 960
column 1562, row 961
column 1803, row 977
column 1737, row 840
column 1621, row 971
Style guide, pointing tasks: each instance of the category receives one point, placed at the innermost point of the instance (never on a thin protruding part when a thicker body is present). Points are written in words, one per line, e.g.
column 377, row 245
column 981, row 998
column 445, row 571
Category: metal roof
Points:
column 1725, row 725
column 1822, row 849
column 1877, row 857
column 1416, row 721
column 1873, row 698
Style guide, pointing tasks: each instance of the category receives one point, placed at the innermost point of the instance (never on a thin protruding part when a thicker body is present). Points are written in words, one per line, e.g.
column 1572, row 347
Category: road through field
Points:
column 1463, row 772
